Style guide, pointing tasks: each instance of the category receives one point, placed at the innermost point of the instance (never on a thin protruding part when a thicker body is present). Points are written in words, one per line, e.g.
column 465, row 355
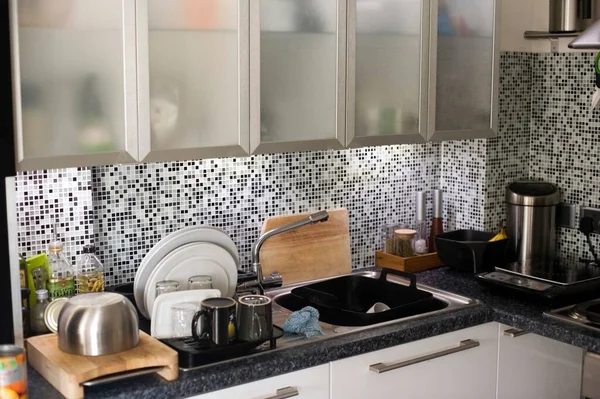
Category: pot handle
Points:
column 410, row 276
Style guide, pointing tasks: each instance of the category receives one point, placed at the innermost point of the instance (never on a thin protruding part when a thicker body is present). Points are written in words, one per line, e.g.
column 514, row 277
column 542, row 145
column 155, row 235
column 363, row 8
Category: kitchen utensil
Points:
column 52, row 313
column 193, row 259
column 99, row 323
column 254, row 318
column 170, row 243
column 356, row 295
column 160, row 325
column 437, row 223
column 531, row 221
column 193, row 353
column 470, row 250
column 217, row 319
column 199, row 283
column 68, row 372
column 165, row 287
column 181, row 318
column 564, row 16
column 378, row 307
column 312, row 252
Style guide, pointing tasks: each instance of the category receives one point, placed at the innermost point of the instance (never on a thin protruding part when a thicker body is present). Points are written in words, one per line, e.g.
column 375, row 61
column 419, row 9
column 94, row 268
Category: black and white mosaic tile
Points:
column 507, row 154
column 62, row 196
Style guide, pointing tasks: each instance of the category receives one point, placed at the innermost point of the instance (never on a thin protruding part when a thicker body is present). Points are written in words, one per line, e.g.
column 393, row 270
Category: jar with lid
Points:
column 403, row 239
column 90, row 271
column 38, row 325
column 62, row 277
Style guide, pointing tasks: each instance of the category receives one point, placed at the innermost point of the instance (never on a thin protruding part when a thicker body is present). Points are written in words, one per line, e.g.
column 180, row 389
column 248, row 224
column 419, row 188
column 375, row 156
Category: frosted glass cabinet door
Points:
column 463, row 69
column 387, row 71
column 297, row 74
column 74, row 82
column 193, row 86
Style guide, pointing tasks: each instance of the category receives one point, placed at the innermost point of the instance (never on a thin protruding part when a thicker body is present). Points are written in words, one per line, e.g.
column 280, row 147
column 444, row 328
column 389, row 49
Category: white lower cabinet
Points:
column 531, row 366
column 312, row 383
column 461, row 364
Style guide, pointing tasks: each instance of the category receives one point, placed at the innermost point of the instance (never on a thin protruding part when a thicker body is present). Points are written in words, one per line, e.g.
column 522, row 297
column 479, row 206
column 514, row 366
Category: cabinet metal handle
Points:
column 462, row 346
column 283, row 393
column 514, row 333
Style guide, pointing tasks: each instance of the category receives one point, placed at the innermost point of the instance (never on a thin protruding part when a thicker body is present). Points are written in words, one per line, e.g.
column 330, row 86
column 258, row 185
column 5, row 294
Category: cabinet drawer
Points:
column 461, row 364
column 312, row 383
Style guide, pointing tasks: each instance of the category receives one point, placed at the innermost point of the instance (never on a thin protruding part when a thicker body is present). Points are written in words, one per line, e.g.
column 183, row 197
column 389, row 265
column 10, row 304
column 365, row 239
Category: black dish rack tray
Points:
column 192, row 353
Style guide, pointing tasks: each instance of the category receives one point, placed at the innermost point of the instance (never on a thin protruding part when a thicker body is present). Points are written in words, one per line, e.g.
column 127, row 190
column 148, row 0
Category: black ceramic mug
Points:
column 254, row 318
column 215, row 321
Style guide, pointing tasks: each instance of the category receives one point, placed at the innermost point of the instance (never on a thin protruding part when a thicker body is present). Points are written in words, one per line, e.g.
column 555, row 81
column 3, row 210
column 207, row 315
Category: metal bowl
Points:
column 97, row 324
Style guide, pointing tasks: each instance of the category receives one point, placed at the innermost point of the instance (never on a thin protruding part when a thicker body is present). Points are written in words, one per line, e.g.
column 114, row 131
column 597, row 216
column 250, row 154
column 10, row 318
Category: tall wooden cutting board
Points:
column 67, row 372
column 310, row 252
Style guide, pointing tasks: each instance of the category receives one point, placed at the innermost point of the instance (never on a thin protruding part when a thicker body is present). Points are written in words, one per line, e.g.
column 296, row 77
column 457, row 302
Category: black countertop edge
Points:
column 272, row 363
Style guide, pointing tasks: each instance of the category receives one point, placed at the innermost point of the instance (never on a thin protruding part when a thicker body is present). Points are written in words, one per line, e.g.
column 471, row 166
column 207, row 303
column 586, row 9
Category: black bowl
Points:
column 471, row 250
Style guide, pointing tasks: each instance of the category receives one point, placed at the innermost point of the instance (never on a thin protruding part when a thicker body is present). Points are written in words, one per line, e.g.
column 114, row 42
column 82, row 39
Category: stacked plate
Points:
column 192, row 251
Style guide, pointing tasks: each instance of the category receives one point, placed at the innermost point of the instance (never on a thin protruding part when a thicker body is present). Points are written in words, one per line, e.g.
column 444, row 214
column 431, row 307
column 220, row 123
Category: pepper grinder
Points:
column 420, row 240
column 437, row 223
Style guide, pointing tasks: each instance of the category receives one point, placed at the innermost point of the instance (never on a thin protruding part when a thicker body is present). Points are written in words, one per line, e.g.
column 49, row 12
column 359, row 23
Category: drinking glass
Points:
column 181, row 318
column 163, row 287
column 200, row 283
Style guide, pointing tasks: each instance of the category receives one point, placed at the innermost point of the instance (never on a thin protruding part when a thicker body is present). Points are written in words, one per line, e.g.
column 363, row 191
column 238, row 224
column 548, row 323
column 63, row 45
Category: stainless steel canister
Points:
column 565, row 16
column 531, row 221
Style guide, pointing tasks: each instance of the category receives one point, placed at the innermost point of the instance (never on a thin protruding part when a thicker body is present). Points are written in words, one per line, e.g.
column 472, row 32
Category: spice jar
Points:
column 403, row 239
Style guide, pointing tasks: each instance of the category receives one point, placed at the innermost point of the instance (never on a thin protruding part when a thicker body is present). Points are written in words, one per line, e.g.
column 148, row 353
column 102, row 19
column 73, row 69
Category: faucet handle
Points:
column 320, row 216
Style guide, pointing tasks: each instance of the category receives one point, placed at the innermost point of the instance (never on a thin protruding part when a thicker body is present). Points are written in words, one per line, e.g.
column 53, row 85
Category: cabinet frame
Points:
column 339, row 142
column 130, row 152
column 445, row 135
column 352, row 140
column 146, row 152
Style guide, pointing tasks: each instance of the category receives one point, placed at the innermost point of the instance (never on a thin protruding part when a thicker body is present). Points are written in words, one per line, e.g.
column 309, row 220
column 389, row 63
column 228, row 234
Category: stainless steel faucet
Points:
column 275, row 280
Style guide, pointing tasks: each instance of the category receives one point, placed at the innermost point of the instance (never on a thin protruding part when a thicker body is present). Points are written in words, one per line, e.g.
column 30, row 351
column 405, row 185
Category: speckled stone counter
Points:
column 518, row 314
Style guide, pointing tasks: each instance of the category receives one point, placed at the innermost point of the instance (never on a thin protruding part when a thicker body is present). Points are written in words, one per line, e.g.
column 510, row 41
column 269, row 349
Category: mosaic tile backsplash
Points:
column 135, row 206
column 546, row 131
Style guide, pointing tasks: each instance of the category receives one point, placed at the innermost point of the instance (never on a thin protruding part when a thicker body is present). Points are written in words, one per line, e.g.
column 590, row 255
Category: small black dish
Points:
column 193, row 353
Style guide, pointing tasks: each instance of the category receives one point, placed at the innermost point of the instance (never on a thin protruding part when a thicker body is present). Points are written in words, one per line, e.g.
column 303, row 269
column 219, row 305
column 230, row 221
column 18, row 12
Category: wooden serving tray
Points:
column 67, row 373
column 414, row 264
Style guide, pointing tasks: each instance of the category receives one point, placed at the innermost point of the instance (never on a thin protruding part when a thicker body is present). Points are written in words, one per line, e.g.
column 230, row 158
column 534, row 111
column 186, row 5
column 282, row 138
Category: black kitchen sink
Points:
column 344, row 301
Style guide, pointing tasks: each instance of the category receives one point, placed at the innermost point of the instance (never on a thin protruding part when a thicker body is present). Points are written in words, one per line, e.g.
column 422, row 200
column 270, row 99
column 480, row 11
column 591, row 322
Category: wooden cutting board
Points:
column 67, row 372
column 310, row 252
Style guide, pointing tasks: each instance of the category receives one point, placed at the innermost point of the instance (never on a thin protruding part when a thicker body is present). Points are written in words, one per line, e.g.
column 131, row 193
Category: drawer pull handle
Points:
column 462, row 346
column 283, row 393
column 514, row 333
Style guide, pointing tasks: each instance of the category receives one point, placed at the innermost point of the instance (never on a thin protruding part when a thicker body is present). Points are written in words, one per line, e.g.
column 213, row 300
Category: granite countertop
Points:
column 516, row 313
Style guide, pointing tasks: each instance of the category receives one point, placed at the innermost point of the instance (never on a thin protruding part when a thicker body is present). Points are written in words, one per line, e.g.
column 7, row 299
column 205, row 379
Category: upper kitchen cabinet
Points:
column 74, row 79
column 387, row 71
column 464, row 63
column 297, row 75
column 193, row 65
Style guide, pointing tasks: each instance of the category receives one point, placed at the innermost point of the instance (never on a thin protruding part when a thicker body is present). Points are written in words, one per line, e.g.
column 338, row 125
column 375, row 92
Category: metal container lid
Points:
column 532, row 193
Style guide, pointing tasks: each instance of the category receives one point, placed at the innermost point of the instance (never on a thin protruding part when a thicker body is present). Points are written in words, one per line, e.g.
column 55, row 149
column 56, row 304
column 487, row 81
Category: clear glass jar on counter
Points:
column 403, row 241
column 90, row 272
column 36, row 316
column 61, row 283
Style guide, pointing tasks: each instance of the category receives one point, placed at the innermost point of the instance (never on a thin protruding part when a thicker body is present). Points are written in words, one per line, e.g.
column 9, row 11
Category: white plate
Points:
column 161, row 325
column 198, row 258
column 171, row 242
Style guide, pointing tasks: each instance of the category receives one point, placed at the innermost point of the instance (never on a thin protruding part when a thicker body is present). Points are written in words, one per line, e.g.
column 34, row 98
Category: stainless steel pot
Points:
column 531, row 221
column 97, row 324
column 565, row 16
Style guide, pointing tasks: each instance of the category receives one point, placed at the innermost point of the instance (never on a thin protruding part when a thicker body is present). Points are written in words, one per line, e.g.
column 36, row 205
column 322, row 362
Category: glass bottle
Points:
column 90, row 272
column 62, row 280
column 38, row 325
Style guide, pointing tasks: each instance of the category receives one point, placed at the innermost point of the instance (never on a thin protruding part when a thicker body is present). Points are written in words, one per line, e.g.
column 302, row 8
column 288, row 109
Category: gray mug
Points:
column 254, row 318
